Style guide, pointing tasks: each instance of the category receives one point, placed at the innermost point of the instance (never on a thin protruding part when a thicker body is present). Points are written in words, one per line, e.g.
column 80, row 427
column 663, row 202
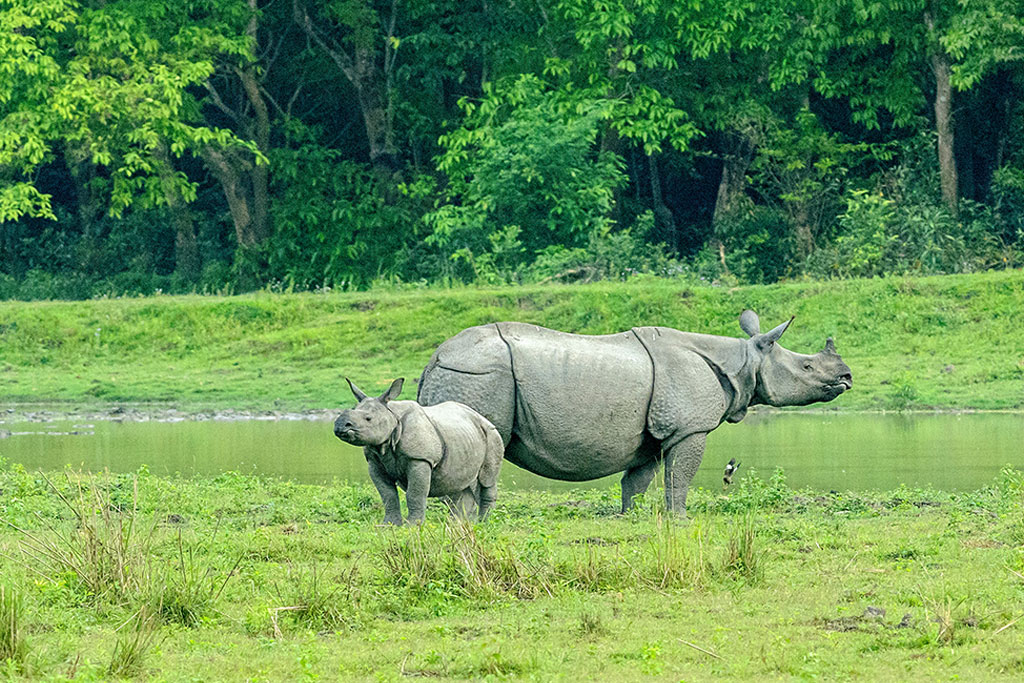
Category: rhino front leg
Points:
column 388, row 493
column 681, row 462
column 636, row 480
column 418, row 476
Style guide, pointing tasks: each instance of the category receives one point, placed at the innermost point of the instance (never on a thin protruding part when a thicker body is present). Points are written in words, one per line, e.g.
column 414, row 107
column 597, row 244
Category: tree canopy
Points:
column 227, row 145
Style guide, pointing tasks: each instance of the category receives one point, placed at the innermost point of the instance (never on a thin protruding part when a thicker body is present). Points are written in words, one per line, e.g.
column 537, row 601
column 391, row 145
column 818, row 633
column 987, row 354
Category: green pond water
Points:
column 820, row 450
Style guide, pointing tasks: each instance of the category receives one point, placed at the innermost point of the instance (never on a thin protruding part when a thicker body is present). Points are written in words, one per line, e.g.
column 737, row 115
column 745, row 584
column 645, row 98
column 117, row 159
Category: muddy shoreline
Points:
column 143, row 413
column 47, row 413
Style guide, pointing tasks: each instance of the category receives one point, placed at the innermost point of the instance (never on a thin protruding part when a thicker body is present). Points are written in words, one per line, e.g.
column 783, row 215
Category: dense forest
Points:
column 230, row 145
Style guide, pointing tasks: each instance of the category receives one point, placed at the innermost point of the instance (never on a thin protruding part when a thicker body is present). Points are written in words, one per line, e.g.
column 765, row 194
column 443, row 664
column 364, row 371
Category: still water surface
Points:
column 822, row 451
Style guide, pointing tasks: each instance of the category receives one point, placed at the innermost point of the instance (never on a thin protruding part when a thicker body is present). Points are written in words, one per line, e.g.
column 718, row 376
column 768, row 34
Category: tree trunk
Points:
column 370, row 74
column 230, row 173
column 731, row 188
column 944, row 128
column 375, row 105
column 258, row 174
column 729, row 200
column 186, row 248
column 664, row 219
column 944, row 123
column 803, row 231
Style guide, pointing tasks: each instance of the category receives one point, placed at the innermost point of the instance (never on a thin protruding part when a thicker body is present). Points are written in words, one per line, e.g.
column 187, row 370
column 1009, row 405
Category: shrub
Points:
column 524, row 161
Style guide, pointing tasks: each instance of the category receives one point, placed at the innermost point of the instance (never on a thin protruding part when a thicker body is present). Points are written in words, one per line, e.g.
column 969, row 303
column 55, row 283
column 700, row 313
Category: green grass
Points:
column 300, row 583
column 946, row 342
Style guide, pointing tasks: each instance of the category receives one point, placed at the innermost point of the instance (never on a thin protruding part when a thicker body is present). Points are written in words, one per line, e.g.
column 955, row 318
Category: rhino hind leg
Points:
column 463, row 504
column 681, row 462
column 636, row 479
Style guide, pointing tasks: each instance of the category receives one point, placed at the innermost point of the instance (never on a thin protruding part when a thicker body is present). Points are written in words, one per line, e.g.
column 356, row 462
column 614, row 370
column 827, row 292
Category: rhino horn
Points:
column 355, row 390
column 750, row 323
column 830, row 347
column 393, row 391
column 766, row 340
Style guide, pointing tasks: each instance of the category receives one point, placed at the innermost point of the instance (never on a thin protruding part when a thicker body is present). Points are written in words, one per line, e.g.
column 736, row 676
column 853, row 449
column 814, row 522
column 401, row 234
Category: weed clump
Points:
column 741, row 559
column 188, row 594
column 453, row 559
column 13, row 646
column 311, row 600
column 677, row 556
column 103, row 551
column 132, row 646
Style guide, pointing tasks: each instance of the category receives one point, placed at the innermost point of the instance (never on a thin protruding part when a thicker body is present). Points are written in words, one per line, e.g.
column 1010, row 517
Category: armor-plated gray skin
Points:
column 577, row 407
column 446, row 450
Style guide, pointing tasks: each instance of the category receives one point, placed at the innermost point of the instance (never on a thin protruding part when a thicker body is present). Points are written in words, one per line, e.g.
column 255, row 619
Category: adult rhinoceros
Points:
column 577, row 407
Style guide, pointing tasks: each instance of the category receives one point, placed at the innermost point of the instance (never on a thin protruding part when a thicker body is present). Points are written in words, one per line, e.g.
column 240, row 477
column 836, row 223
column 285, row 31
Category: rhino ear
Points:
column 750, row 323
column 830, row 347
column 355, row 390
column 393, row 391
column 768, row 339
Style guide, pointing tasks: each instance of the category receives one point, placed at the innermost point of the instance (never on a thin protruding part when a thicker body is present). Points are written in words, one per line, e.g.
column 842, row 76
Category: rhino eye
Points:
column 367, row 418
column 808, row 366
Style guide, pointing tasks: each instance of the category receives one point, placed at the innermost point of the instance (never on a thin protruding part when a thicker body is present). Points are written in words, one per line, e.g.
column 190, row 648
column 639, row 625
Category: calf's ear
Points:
column 750, row 323
column 355, row 390
column 393, row 391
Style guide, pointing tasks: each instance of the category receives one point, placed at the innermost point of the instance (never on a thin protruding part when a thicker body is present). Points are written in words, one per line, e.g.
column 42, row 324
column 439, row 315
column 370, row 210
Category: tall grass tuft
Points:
column 453, row 556
column 188, row 593
column 677, row 555
column 140, row 635
column 312, row 600
column 590, row 569
column 13, row 647
column 741, row 558
column 103, row 550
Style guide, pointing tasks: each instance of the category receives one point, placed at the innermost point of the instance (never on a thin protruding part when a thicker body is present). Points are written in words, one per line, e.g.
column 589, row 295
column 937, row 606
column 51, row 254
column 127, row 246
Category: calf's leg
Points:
column 487, row 479
column 388, row 493
column 487, row 495
column 418, row 476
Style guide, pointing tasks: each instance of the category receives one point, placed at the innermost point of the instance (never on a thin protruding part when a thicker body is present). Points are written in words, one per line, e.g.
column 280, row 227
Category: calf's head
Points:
column 785, row 378
column 371, row 422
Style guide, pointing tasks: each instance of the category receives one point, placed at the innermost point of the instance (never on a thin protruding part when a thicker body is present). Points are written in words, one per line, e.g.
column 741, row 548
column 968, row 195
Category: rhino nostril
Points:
column 848, row 378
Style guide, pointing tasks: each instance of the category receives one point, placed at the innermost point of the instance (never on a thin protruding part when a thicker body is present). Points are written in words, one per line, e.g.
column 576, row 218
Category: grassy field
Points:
column 236, row 578
column 944, row 342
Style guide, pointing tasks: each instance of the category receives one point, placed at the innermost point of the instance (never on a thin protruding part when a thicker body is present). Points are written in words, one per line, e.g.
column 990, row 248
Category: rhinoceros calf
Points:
column 578, row 407
column 446, row 450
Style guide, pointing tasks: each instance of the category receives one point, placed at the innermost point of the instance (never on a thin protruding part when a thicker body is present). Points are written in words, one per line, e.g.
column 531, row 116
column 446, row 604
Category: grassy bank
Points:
column 236, row 578
column 945, row 342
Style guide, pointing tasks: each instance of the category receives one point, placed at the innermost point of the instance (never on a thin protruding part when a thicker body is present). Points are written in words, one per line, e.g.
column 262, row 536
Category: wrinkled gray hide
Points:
column 577, row 407
column 446, row 450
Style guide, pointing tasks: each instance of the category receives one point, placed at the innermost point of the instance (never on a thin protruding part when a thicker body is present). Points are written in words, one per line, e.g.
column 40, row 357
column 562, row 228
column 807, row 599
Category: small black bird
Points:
column 730, row 470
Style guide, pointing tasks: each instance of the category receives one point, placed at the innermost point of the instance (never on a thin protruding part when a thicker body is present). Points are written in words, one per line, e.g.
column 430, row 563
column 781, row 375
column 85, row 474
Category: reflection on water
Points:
column 821, row 450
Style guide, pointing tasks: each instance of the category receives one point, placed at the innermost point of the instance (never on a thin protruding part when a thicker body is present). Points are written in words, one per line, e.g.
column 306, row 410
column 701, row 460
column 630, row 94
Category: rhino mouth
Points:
column 346, row 435
column 839, row 386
